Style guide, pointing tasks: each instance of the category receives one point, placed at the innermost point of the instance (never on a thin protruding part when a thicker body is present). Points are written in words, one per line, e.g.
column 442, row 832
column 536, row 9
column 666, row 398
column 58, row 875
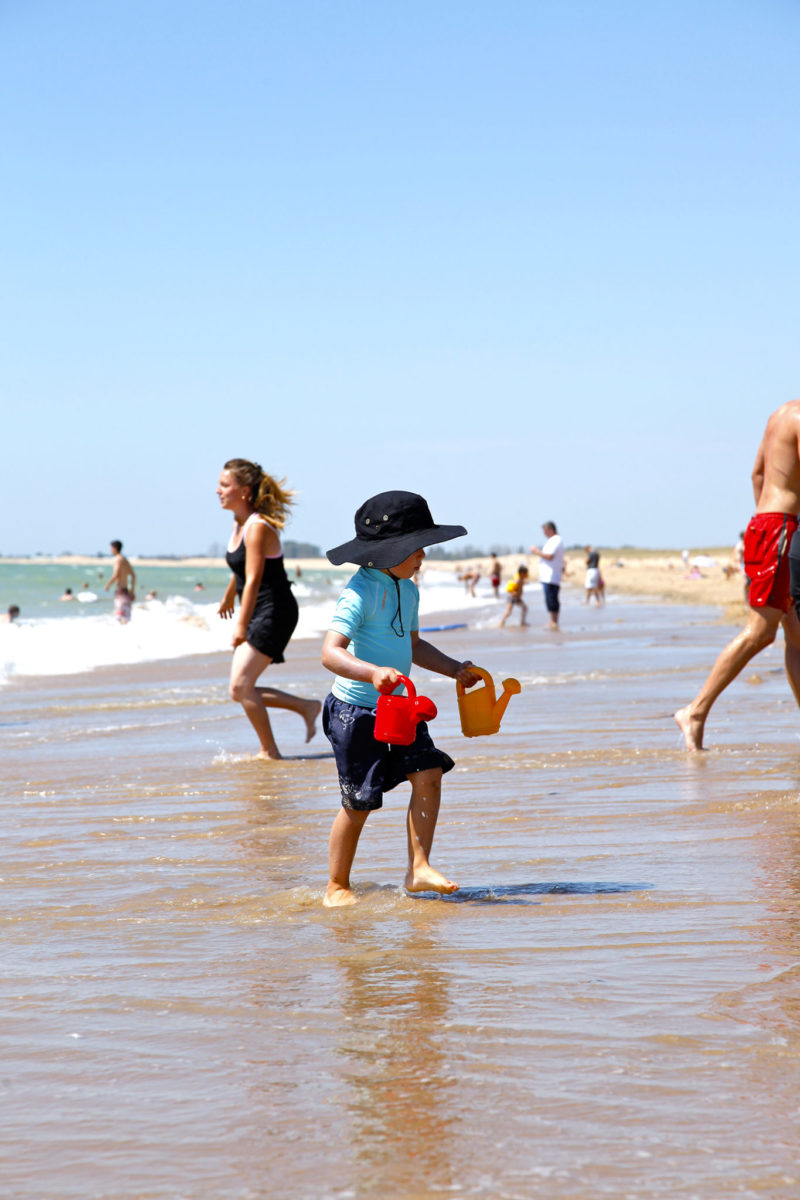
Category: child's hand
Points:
column 385, row 679
column 467, row 675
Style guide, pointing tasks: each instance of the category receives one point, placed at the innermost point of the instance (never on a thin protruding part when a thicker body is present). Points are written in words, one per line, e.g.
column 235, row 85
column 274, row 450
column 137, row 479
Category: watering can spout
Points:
column 511, row 687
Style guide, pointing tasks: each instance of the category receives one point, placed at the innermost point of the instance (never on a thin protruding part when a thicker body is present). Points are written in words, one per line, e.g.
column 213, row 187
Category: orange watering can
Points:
column 397, row 717
column 480, row 710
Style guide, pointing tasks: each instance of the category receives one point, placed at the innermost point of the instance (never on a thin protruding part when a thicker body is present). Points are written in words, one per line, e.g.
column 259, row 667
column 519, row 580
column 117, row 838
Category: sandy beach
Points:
column 605, row 1009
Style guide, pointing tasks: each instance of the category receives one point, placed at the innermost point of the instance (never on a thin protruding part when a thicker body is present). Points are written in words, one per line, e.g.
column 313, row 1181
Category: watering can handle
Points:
column 411, row 691
column 485, row 676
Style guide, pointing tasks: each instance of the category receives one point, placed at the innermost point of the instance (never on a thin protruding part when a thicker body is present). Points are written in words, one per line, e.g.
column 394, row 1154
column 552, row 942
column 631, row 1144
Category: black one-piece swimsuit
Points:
column 275, row 615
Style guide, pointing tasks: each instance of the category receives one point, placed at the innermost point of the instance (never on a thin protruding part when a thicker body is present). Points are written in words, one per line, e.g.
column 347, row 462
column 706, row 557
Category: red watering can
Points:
column 397, row 717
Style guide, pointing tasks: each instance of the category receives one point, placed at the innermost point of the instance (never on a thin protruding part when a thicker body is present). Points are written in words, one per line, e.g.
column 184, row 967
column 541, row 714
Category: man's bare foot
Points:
column 691, row 728
column 311, row 712
column 426, row 879
column 337, row 896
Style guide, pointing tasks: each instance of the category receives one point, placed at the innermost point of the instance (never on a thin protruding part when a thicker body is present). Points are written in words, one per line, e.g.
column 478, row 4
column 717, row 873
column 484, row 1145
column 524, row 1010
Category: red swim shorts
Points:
column 766, row 559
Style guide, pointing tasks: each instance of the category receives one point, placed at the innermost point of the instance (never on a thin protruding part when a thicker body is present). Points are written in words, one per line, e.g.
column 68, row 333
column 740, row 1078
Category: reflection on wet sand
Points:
column 398, row 1089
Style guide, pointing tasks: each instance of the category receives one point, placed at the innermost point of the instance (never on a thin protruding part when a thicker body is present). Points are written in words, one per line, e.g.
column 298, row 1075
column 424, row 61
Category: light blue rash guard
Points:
column 364, row 614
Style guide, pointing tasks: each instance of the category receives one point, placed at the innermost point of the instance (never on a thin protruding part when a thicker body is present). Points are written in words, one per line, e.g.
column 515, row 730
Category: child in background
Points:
column 514, row 588
column 373, row 639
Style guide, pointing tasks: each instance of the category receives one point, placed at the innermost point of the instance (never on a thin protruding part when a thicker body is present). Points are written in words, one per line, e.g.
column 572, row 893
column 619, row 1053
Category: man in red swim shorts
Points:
column 772, row 568
column 766, row 559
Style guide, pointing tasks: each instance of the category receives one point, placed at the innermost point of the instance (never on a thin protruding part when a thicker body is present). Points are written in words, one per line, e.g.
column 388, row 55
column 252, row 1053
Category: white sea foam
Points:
column 179, row 626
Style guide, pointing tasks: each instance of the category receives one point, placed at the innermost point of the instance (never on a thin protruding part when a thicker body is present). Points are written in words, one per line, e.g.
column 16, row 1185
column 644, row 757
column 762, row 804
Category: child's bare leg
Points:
column 309, row 710
column 524, row 607
column 423, row 812
column 506, row 615
column 345, row 833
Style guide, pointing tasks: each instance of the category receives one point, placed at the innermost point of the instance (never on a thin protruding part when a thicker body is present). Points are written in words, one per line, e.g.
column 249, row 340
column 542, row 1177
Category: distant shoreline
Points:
column 627, row 571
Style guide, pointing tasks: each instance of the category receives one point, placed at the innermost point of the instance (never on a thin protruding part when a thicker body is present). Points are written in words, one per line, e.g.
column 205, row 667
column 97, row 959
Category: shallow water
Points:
column 610, row 1006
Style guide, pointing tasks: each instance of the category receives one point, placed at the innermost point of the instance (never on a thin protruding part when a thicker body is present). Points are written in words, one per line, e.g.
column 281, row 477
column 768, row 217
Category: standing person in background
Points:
column 124, row 576
column 268, row 610
column 551, row 569
column 772, row 568
column 515, row 587
column 496, row 575
column 593, row 584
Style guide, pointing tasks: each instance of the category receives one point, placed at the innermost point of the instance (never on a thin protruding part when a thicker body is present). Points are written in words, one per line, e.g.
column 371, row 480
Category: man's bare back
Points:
column 776, row 474
column 123, row 576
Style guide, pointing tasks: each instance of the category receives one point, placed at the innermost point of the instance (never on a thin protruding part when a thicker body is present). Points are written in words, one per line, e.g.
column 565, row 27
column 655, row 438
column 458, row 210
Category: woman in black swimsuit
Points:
column 267, row 609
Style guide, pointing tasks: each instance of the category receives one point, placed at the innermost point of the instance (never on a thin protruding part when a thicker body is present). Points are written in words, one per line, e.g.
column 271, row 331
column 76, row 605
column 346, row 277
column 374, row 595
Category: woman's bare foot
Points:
column 426, row 879
column 336, row 896
column 312, row 710
column 691, row 727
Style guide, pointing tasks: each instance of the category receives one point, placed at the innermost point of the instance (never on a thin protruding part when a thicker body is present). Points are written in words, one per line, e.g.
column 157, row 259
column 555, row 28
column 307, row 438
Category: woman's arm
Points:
column 226, row 607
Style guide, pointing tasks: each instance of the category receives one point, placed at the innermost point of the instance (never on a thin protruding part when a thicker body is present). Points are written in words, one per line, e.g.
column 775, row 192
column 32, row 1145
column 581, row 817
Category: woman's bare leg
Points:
column 246, row 667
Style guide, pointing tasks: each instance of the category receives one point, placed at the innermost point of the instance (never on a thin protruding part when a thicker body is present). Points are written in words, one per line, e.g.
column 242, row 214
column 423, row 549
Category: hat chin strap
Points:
column 398, row 611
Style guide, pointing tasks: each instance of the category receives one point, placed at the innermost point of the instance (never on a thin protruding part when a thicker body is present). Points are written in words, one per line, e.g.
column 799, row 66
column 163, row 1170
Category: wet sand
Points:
column 608, row 1007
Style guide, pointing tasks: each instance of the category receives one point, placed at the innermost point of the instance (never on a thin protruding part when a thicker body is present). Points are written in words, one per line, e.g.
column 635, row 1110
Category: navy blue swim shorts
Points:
column 551, row 600
column 368, row 768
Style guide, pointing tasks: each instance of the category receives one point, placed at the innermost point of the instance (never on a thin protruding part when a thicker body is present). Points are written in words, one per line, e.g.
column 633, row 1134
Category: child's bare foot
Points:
column 312, row 710
column 336, row 896
column 426, row 879
column 269, row 755
column 691, row 727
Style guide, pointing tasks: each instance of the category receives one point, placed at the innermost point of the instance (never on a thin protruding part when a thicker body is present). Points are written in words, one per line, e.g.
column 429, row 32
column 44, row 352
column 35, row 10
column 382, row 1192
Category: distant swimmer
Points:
column 124, row 577
column 68, row 594
column 772, row 569
column 267, row 608
column 12, row 614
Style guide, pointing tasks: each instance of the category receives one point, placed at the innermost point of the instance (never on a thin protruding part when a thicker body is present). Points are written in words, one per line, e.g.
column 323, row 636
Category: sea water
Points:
column 606, row 1010
column 56, row 637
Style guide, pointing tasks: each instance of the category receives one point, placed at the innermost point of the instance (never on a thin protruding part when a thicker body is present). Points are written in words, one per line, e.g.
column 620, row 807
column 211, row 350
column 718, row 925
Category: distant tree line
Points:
column 451, row 555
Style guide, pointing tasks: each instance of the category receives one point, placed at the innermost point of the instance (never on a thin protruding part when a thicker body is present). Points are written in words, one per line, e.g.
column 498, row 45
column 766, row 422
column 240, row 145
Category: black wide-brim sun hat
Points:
column 389, row 527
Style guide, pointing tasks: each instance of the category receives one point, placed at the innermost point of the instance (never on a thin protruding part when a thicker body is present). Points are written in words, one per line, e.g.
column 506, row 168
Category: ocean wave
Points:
column 178, row 627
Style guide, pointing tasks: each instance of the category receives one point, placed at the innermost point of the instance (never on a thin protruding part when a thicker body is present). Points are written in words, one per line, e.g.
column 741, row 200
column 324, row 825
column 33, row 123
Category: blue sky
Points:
column 534, row 260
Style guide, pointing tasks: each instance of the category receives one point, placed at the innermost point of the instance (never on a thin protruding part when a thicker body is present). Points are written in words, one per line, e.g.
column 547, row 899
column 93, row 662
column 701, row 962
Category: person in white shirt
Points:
column 551, row 568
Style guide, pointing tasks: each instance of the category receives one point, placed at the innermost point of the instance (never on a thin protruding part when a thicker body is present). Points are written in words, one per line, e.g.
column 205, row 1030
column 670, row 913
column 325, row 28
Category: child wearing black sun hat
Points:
column 372, row 640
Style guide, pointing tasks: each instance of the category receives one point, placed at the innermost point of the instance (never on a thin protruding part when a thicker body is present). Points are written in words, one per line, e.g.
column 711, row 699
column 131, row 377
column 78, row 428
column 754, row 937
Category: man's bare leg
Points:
column 345, row 833
column 791, row 655
column 759, row 632
column 423, row 812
